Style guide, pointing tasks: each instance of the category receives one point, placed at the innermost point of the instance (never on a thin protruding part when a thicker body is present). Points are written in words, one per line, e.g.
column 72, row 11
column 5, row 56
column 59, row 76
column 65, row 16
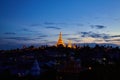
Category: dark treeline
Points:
column 97, row 63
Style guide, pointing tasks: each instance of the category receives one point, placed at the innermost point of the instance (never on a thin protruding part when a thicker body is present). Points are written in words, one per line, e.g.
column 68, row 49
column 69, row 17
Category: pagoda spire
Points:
column 60, row 41
column 60, row 36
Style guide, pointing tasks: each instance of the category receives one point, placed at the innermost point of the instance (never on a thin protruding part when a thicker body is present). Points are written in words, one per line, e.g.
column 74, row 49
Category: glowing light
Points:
column 104, row 59
column 90, row 68
column 70, row 44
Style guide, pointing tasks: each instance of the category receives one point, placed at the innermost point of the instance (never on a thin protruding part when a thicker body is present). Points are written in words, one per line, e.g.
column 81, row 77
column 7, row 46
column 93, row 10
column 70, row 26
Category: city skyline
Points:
column 39, row 22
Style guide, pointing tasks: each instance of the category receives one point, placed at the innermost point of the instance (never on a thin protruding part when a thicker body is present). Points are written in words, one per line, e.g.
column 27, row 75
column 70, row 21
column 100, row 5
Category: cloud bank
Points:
column 53, row 27
column 98, row 26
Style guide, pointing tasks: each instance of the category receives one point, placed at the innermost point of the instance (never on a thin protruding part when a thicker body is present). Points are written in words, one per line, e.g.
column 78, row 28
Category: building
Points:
column 60, row 41
column 69, row 44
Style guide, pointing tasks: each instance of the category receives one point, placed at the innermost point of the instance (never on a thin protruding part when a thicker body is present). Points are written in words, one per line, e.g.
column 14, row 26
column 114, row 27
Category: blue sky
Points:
column 36, row 22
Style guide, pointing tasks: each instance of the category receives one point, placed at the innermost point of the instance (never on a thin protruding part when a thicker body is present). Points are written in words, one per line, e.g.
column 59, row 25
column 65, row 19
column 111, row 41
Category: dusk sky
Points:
column 36, row 22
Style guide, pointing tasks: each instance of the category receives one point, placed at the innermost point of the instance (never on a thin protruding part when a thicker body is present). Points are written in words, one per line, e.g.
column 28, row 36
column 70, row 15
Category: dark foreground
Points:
column 99, row 73
column 51, row 63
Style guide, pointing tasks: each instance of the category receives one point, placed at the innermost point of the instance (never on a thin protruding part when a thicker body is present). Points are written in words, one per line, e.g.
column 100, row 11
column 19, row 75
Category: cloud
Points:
column 117, row 19
column 10, row 33
column 94, row 35
column 98, row 40
column 20, row 38
column 62, row 23
column 74, row 39
column 43, row 36
column 62, row 34
column 53, row 27
column 49, row 23
column 115, row 36
column 27, row 30
column 34, row 25
column 55, row 23
column 98, row 26
column 101, row 37
column 112, row 40
column 65, row 34
column 44, row 40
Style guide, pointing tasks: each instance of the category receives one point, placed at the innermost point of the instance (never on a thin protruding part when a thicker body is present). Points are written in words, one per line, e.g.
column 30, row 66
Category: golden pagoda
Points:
column 60, row 41
column 70, row 44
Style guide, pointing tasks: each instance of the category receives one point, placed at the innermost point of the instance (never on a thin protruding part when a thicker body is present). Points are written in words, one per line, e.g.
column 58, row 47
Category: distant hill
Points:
column 94, row 44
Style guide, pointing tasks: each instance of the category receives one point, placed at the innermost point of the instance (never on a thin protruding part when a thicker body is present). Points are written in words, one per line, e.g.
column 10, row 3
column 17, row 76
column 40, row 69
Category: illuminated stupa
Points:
column 60, row 41
column 70, row 44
